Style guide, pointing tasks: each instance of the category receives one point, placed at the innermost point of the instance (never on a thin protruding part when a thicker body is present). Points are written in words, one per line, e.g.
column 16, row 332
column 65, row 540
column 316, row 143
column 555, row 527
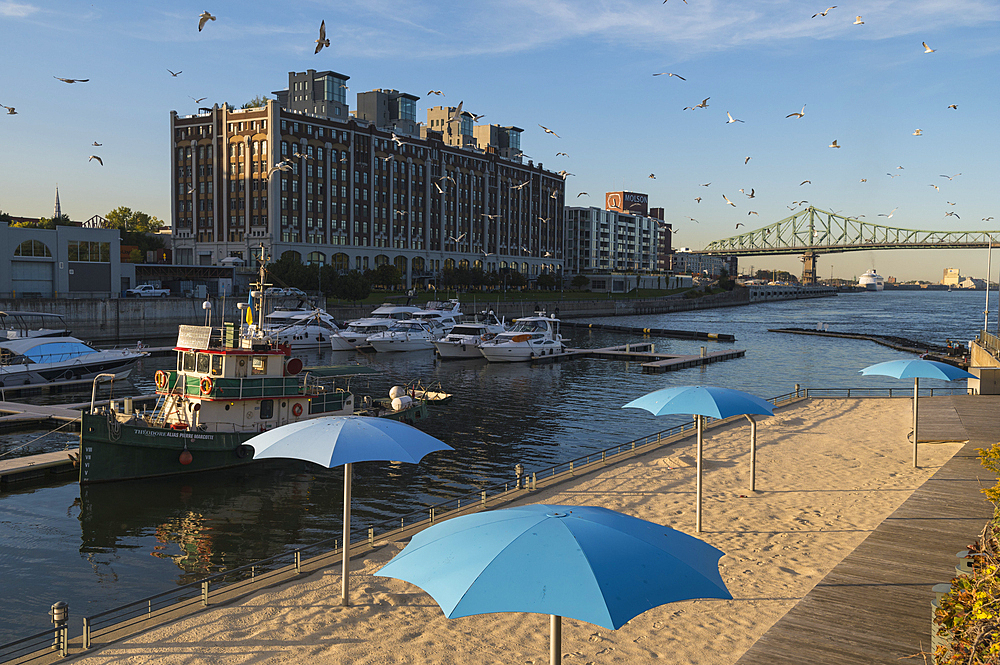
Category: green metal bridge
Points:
column 812, row 232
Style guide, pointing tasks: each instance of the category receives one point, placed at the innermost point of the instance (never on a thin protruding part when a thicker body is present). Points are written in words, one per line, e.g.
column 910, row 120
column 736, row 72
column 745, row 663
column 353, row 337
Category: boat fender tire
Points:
column 531, row 354
column 296, row 409
column 161, row 378
column 244, row 451
column 206, row 385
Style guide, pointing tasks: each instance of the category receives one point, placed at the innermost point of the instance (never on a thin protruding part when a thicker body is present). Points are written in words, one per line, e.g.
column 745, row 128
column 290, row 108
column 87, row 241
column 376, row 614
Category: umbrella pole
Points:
column 753, row 452
column 916, row 386
column 555, row 643
column 697, row 509
column 346, row 549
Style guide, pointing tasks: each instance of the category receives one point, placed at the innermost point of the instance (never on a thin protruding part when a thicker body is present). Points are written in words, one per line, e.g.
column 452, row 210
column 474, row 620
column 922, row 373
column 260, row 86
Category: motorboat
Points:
column 40, row 360
column 871, row 281
column 300, row 328
column 228, row 385
column 446, row 313
column 356, row 333
column 530, row 337
column 408, row 335
column 465, row 339
column 14, row 325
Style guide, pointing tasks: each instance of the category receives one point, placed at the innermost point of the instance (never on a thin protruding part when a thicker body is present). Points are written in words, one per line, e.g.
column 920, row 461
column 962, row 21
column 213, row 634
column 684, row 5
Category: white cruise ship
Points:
column 872, row 281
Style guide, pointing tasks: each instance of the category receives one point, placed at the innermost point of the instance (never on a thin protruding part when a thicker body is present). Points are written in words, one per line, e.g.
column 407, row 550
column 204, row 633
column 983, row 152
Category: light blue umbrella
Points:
column 705, row 401
column 583, row 562
column 916, row 369
column 342, row 440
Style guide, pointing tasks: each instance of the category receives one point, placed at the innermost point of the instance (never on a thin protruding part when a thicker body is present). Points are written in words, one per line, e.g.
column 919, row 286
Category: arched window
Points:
column 400, row 263
column 478, row 264
column 381, row 260
column 292, row 254
column 524, row 268
column 33, row 248
column 341, row 262
column 449, row 264
column 418, row 264
column 318, row 258
column 463, row 264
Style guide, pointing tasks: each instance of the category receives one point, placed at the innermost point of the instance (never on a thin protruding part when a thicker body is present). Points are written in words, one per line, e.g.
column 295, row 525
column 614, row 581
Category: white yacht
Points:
column 408, row 335
column 465, row 339
column 39, row 360
column 356, row 333
column 300, row 328
column 445, row 313
column 530, row 337
column 14, row 325
column 872, row 281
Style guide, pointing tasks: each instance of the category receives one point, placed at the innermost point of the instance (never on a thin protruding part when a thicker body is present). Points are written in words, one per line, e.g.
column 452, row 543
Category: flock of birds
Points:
column 454, row 114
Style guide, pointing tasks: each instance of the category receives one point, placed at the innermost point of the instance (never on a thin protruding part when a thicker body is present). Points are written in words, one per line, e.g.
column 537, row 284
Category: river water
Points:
column 115, row 543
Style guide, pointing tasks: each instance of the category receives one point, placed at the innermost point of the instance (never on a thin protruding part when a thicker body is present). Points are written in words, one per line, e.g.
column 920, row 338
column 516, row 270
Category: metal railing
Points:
column 119, row 622
column 990, row 342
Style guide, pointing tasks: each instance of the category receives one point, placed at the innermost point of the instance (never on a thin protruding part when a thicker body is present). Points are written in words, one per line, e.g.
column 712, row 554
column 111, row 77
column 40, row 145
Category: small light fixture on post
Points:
column 59, row 613
column 518, row 473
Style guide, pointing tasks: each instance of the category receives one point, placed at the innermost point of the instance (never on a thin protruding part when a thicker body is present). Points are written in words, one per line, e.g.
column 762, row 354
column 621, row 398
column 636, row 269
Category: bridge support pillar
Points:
column 809, row 267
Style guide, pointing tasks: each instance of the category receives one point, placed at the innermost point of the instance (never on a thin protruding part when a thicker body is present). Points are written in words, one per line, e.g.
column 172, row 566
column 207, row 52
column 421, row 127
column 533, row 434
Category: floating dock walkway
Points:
column 645, row 353
column 659, row 332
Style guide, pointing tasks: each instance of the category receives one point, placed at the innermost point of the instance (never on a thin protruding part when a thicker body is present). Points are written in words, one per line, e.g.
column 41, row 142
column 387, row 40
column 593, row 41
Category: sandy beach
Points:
column 828, row 472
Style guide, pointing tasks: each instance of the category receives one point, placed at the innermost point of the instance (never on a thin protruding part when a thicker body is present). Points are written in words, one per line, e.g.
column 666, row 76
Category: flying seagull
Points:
column 485, row 254
column 951, row 177
column 825, row 12
column 918, row 132
column 582, row 194
column 11, row 111
column 198, row 101
column 549, row 131
column 753, row 212
column 299, row 155
column 204, row 18
column 705, row 184
column 398, row 141
column 703, row 105
column 670, row 74
column 728, row 201
column 280, row 166
column 172, row 73
column 71, row 80
column 458, row 239
column 927, row 49
column 894, row 175
column 805, row 182
column 565, row 173
column 864, row 180
column 953, row 106
column 322, row 41
column 858, row 21
column 99, row 160
column 739, row 224
column 562, row 153
column 554, row 194
column 882, row 214
column 952, row 214
column 986, row 219
column 935, row 187
column 693, row 220
column 440, row 191
column 746, row 161
column 798, row 114
column 521, row 185
column 697, row 199
column 652, row 176
column 96, row 143
column 731, row 119
column 435, row 92
column 834, row 144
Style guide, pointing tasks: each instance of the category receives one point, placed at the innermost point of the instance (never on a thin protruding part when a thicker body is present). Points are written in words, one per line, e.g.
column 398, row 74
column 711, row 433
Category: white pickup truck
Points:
column 147, row 291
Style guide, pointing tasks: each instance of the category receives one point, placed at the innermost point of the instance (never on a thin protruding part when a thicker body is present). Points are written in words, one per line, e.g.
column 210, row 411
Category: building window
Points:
column 33, row 248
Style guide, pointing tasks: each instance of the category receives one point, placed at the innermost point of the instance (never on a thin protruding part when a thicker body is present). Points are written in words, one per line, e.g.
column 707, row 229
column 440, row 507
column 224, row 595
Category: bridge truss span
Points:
column 811, row 232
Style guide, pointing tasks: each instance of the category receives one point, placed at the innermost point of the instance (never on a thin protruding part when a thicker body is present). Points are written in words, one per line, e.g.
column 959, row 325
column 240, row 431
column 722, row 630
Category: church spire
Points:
column 58, row 211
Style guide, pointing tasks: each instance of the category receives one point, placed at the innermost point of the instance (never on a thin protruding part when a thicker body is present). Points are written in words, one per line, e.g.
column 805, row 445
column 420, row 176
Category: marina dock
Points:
column 658, row 332
column 645, row 353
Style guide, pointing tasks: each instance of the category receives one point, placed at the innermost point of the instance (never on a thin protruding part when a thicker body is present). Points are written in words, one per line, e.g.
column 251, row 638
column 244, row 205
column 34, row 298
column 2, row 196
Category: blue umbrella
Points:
column 705, row 401
column 916, row 369
column 584, row 562
column 342, row 440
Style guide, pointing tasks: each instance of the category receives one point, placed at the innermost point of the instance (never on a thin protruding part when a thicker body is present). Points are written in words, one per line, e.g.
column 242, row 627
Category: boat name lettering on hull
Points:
column 172, row 434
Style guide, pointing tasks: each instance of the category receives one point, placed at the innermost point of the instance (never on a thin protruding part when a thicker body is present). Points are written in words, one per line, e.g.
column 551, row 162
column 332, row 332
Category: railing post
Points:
column 204, row 593
column 571, row 468
column 64, row 641
column 371, row 536
column 484, row 498
column 298, row 562
column 534, row 480
column 86, row 632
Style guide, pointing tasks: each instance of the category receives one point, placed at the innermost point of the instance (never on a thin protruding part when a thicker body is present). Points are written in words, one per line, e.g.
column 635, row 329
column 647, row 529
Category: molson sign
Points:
column 632, row 203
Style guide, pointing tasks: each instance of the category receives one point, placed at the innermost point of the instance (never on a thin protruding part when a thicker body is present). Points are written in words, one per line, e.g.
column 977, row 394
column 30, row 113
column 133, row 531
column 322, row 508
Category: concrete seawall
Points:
column 125, row 320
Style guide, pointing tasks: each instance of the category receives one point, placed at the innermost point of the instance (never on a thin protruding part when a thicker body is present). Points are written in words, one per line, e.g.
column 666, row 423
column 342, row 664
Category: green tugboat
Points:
column 228, row 386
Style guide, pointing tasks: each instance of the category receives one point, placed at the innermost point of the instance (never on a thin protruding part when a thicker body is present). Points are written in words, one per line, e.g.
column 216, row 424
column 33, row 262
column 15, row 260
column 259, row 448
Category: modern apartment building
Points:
column 303, row 174
column 609, row 240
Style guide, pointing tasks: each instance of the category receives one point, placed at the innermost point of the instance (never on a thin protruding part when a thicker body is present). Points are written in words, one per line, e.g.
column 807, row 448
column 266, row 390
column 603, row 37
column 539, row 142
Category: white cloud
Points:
column 16, row 9
column 512, row 26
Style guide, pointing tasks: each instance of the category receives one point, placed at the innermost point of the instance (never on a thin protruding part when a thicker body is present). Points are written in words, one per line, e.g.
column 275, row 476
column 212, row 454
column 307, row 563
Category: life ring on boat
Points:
column 207, row 384
column 161, row 378
column 178, row 426
column 296, row 409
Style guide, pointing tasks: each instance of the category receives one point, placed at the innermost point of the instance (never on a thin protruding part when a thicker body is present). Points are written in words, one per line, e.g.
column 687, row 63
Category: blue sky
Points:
column 583, row 68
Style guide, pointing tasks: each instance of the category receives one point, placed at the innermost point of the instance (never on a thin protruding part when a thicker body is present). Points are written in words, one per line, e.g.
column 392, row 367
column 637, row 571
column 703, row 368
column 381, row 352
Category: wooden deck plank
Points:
column 874, row 606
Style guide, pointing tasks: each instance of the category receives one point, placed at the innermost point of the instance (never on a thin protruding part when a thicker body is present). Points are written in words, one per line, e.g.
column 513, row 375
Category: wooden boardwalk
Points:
column 643, row 352
column 874, row 606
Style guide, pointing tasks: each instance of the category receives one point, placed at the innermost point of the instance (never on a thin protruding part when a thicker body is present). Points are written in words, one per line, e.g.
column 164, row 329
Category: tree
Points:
column 135, row 256
column 386, row 275
column 353, row 286
column 125, row 219
column 724, row 281
column 45, row 223
column 580, row 282
column 4, row 217
column 257, row 102
column 546, row 280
